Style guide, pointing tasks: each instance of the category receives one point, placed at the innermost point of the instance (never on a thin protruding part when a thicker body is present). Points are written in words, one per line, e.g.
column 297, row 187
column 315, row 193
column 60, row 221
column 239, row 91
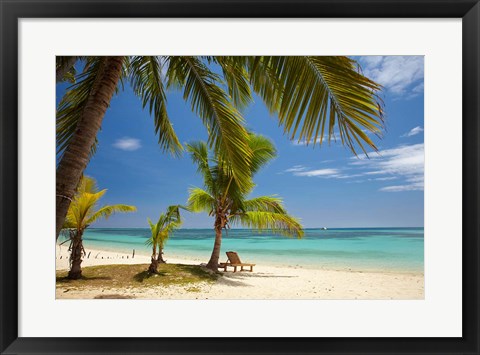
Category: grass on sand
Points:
column 125, row 276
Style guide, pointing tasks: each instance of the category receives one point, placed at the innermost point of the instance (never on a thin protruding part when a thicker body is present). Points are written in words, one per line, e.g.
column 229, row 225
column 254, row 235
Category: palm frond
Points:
column 199, row 154
column 125, row 75
column 87, row 184
column 173, row 214
column 106, row 211
column 153, row 232
column 70, row 220
column 264, row 204
column 82, row 207
column 150, row 223
column 169, row 229
column 65, row 68
column 200, row 200
column 277, row 222
column 265, row 83
column 70, row 108
column 263, row 151
column 146, row 80
column 237, row 79
column 224, row 123
column 318, row 94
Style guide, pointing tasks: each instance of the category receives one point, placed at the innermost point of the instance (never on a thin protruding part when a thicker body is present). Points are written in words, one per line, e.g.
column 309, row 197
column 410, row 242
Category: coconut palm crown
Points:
column 84, row 211
column 160, row 232
column 223, row 199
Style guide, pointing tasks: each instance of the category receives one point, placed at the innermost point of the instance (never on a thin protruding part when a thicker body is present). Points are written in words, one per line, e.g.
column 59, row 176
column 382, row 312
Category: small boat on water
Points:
column 324, row 228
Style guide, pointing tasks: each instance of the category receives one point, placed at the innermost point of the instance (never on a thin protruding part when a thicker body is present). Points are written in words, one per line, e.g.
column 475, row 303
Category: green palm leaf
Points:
column 265, row 83
column 224, row 123
column 87, row 185
column 145, row 76
column 263, row 151
column 318, row 94
column 199, row 154
column 65, row 68
column 277, row 222
column 237, row 79
column 106, row 211
column 200, row 200
column 83, row 209
column 70, row 109
column 264, row 204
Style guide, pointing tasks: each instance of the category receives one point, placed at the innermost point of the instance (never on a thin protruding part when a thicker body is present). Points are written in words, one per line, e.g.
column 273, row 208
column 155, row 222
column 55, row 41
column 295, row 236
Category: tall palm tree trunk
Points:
column 76, row 255
column 213, row 263
column 76, row 156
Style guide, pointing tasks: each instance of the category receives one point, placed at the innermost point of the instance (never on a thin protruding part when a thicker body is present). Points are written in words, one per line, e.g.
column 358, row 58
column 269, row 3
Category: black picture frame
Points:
column 11, row 11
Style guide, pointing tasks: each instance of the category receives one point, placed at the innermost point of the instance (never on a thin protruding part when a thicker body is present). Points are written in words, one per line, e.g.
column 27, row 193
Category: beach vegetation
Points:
column 224, row 199
column 121, row 277
column 83, row 211
column 315, row 99
column 160, row 232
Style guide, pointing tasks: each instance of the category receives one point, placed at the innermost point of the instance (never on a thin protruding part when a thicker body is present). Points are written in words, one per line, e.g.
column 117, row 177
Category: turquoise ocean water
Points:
column 362, row 249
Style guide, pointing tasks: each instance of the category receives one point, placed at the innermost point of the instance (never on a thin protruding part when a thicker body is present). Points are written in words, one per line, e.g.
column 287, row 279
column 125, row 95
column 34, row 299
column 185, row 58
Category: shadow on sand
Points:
column 238, row 278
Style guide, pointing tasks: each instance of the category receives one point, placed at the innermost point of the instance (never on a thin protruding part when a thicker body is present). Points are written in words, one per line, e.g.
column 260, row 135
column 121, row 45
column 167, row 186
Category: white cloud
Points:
column 126, row 143
column 398, row 74
column 318, row 172
column 413, row 132
column 386, row 178
column 405, row 162
column 347, row 176
column 300, row 170
column 295, row 168
column 400, row 188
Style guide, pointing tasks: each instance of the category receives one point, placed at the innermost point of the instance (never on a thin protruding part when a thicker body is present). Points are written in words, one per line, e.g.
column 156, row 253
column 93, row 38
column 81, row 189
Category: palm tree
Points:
column 167, row 222
column 228, row 204
column 312, row 97
column 81, row 214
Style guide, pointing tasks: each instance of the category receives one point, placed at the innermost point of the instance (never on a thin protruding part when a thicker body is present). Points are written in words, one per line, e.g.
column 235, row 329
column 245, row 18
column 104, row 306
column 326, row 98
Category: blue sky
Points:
column 323, row 186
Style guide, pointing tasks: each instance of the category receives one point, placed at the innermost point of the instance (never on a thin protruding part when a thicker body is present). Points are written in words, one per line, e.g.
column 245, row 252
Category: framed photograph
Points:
column 231, row 177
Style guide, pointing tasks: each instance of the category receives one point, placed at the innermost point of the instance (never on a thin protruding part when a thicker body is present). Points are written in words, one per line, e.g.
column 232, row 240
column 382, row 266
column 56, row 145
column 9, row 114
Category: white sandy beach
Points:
column 266, row 282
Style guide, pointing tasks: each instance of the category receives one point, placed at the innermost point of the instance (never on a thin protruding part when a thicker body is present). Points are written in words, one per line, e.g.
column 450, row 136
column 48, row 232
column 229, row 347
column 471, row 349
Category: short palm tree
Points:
column 161, row 231
column 228, row 204
column 312, row 96
column 81, row 214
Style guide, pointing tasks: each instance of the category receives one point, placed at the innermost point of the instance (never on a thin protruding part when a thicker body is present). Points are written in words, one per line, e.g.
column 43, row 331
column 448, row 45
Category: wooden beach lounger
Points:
column 234, row 261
